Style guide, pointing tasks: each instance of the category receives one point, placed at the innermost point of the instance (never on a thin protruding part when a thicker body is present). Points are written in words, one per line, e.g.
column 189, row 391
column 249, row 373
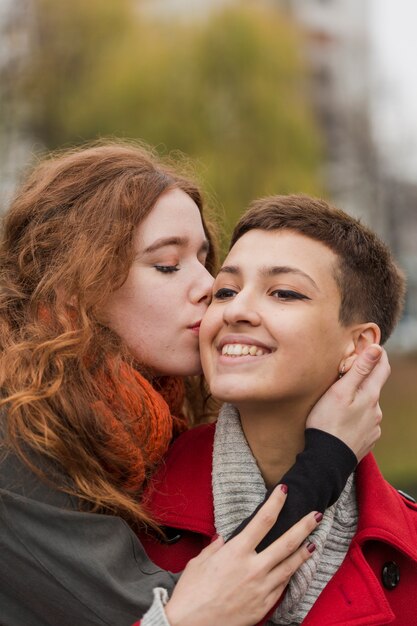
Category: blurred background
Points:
column 278, row 96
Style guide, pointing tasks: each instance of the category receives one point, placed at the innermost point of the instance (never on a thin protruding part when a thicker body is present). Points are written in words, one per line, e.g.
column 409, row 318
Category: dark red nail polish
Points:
column 318, row 517
column 284, row 488
column 310, row 547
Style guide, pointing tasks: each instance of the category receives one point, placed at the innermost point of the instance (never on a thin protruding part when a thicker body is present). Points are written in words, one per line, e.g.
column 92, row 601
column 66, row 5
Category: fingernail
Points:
column 284, row 488
column 310, row 547
column 318, row 517
column 373, row 353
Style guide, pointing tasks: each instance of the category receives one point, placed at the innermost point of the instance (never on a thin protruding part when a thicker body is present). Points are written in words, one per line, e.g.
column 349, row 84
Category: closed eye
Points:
column 167, row 269
column 288, row 294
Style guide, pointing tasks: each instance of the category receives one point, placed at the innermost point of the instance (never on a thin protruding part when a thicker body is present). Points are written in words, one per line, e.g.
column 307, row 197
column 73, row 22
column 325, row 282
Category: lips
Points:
column 195, row 327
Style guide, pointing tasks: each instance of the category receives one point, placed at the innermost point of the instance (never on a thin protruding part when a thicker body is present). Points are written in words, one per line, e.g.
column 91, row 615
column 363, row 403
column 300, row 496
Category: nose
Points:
column 201, row 289
column 241, row 310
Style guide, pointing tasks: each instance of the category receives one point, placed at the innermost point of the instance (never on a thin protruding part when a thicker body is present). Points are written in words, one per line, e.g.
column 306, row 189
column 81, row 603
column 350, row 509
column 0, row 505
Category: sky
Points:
column 394, row 62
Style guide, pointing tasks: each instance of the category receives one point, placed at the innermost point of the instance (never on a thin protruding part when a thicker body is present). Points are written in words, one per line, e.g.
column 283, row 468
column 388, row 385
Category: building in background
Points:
column 359, row 173
column 15, row 151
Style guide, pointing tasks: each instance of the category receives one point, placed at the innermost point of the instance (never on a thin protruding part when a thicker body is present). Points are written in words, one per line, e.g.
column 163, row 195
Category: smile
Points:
column 240, row 349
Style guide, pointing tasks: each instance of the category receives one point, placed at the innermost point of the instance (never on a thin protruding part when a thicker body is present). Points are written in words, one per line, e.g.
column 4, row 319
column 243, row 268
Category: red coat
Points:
column 383, row 549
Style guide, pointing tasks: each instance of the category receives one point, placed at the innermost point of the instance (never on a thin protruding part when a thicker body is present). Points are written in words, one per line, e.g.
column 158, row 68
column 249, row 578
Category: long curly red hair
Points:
column 67, row 243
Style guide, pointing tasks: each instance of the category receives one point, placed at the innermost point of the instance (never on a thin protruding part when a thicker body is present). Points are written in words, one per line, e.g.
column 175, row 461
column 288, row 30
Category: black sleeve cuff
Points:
column 315, row 481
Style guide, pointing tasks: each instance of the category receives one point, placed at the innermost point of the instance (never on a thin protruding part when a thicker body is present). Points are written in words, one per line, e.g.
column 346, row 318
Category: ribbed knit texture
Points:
column 332, row 538
column 238, row 487
column 155, row 616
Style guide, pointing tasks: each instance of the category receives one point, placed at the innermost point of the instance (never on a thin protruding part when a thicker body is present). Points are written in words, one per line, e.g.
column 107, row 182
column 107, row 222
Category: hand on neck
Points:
column 275, row 436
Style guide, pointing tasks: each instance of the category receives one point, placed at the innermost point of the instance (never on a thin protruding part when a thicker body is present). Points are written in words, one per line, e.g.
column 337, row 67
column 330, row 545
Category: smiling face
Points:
column 272, row 333
column 158, row 309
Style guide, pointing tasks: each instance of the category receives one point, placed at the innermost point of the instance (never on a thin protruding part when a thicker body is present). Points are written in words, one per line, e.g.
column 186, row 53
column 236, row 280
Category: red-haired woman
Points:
column 105, row 264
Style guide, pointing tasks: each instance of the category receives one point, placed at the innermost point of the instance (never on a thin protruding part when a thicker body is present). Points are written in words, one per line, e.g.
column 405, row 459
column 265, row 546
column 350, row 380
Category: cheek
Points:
column 126, row 312
column 207, row 335
column 209, row 326
column 322, row 351
column 309, row 346
column 131, row 314
column 121, row 301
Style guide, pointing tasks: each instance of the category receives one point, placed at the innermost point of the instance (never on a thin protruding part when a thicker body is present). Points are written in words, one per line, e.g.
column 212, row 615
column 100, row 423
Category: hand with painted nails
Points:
column 232, row 583
column 350, row 409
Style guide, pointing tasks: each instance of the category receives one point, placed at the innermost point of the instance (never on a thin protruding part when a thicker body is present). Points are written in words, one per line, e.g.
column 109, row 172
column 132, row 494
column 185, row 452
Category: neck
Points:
column 275, row 435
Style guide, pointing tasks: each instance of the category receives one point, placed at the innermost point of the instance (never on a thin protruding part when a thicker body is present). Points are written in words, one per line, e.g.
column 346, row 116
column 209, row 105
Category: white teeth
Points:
column 238, row 349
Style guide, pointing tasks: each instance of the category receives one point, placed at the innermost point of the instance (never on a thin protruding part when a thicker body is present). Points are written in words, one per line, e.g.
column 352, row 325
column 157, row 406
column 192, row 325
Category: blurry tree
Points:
column 228, row 91
column 70, row 41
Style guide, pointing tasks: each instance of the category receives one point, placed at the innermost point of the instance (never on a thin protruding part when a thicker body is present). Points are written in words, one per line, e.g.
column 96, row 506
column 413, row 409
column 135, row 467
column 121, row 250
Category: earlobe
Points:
column 363, row 336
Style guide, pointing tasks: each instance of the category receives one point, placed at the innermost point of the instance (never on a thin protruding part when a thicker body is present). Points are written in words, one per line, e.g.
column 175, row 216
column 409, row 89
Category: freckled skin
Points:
column 153, row 310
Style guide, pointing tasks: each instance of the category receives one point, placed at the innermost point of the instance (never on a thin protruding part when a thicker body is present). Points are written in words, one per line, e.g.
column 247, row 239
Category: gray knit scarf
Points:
column 238, row 487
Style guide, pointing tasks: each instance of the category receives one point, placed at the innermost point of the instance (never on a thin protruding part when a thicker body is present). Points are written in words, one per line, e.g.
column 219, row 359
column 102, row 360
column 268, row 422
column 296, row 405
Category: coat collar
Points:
column 382, row 511
column 355, row 594
column 181, row 497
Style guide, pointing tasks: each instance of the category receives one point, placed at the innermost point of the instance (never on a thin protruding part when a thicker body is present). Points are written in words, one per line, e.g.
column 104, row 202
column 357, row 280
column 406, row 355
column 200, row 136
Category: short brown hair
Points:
column 372, row 286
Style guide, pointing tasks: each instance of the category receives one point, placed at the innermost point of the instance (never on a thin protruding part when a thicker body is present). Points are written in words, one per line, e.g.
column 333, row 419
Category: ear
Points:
column 362, row 336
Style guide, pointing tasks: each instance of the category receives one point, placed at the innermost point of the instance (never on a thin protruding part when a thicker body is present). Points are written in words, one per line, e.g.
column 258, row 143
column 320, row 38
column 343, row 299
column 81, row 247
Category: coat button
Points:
column 390, row 575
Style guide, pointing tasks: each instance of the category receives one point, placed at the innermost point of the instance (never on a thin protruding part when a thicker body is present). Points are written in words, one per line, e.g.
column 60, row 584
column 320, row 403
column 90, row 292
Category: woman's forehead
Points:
column 263, row 249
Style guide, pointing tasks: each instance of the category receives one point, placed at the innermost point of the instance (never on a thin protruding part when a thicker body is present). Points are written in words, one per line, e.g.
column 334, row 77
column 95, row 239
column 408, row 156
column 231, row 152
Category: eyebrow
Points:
column 270, row 271
column 181, row 242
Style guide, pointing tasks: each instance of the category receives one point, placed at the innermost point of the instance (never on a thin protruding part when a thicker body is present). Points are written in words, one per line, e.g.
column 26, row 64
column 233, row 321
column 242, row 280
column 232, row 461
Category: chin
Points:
column 228, row 393
column 189, row 368
column 197, row 371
